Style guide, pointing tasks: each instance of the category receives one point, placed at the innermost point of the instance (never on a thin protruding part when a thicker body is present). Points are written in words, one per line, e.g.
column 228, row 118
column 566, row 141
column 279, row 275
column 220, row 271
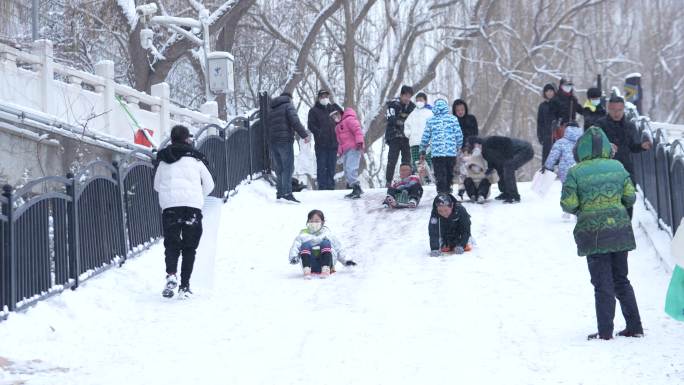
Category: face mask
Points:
column 325, row 101
column 567, row 89
column 314, row 227
column 595, row 102
column 477, row 151
column 420, row 104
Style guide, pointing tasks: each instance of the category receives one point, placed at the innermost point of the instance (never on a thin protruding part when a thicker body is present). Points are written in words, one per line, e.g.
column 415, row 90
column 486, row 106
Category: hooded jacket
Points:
column 442, row 132
column 545, row 118
column 348, row 131
column 182, row 178
column 322, row 126
column 562, row 152
column 624, row 135
column 284, row 121
column 315, row 239
column 452, row 231
column 397, row 114
column 599, row 191
column 468, row 122
column 415, row 124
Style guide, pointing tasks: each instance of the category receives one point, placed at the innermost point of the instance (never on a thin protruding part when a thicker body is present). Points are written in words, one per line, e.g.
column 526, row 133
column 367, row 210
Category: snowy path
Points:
column 514, row 311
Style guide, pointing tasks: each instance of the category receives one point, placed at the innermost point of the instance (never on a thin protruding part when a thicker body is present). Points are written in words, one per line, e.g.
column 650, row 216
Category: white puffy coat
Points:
column 315, row 239
column 414, row 126
column 184, row 182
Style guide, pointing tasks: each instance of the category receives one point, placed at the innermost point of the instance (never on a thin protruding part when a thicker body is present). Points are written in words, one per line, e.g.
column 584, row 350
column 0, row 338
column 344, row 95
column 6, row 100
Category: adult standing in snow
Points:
column 444, row 137
column 545, row 118
column 182, row 181
column 283, row 123
column 467, row 121
column 593, row 108
column 506, row 155
column 350, row 148
column 449, row 227
column 321, row 125
column 398, row 111
column 564, row 104
column 598, row 190
column 415, row 126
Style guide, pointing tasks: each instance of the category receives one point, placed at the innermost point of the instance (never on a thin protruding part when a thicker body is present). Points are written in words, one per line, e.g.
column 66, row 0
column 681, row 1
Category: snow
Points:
column 515, row 310
column 128, row 8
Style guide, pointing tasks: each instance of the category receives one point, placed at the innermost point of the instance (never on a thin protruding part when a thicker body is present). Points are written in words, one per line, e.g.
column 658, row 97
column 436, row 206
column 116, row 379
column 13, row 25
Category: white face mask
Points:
column 596, row 102
column 567, row 89
column 325, row 101
column 477, row 151
column 420, row 104
column 314, row 227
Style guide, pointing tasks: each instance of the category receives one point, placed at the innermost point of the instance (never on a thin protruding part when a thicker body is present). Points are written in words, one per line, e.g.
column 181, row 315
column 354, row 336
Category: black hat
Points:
column 180, row 134
column 548, row 86
column 593, row 93
column 322, row 92
column 406, row 90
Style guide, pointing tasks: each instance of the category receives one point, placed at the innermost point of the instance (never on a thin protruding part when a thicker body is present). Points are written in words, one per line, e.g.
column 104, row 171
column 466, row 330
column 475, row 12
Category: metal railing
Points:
column 659, row 173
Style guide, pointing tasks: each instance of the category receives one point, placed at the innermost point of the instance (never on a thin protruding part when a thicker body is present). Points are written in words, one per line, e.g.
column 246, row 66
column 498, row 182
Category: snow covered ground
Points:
column 516, row 310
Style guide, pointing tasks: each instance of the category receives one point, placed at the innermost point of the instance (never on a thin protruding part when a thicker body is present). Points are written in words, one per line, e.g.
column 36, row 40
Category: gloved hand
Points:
column 350, row 263
column 294, row 261
column 435, row 253
column 459, row 250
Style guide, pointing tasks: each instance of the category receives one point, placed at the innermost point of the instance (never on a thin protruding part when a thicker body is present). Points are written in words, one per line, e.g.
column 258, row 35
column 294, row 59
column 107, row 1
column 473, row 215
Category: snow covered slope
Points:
column 516, row 310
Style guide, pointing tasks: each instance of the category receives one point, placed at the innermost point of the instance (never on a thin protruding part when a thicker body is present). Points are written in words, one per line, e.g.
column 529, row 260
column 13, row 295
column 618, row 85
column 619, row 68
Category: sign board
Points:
column 220, row 72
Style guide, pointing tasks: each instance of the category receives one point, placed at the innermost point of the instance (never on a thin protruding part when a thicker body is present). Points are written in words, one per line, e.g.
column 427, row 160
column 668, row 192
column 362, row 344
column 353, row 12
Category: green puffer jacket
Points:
column 599, row 191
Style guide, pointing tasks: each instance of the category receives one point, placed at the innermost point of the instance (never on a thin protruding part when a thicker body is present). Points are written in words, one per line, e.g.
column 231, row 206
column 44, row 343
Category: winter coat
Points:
column 322, row 126
column 182, row 178
column 562, row 152
column 474, row 166
column 545, row 118
column 592, row 114
column 497, row 150
column 415, row 124
column 283, row 121
column 468, row 122
column 452, row 231
column 442, row 132
column 625, row 136
column 349, row 132
column 599, row 191
column 565, row 107
column 406, row 183
column 397, row 114
column 315, row 239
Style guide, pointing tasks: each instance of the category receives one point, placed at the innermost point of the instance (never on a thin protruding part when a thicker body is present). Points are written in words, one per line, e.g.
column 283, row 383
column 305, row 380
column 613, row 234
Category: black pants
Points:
column 443, row 168
column 396, row 146
column 508, row 184
column 182, row 233
column 326, row 161
column 480, row 190
column 547, row 143
column 414, row 192
column 609, row 277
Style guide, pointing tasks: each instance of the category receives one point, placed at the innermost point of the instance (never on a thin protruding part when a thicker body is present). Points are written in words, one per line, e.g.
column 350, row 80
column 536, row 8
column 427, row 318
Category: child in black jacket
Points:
column 449, row 226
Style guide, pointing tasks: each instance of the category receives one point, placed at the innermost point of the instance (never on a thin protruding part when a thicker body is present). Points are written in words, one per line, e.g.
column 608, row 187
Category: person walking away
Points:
column 350, row 148
column 182, row 180
column 475, row 179
column 506, row 155
column 283, row 123
column 593, row 107
column 444, row 137
column 545, row 121
column 322, row 127
column 398, row 111
column 415, row 126
column 599, row 190
column 449, row 227
column 407, row 190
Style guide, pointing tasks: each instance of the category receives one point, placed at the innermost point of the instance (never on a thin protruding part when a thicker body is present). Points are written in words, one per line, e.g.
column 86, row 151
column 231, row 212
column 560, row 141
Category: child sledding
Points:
column 406, row 191
column 476, row 178
column 449, row 227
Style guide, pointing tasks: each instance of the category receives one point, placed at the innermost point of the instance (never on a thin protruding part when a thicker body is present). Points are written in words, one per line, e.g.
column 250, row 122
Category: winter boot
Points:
column 412, row 203
column 481, row 200
column 501, row 197
column 290, row 198
column 356, row 192
column 325, row 272
column 627, row 333
column 512, row 199
column 171, row 284
column 596, row 336
column 307, row 272
column 184, row 292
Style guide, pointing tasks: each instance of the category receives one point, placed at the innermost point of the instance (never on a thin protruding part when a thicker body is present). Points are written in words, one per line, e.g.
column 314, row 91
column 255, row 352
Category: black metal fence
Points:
column 58, row 231
column 659, row 173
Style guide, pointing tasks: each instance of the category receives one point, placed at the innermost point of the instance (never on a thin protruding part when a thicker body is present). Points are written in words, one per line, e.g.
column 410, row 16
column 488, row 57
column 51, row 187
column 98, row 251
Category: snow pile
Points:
column 515, row 310
column 128, row 8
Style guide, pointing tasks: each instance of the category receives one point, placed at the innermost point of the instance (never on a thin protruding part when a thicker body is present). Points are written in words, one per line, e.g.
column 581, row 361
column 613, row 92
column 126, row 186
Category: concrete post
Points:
column 46, row 69
column 163, row 92
column 105, row 69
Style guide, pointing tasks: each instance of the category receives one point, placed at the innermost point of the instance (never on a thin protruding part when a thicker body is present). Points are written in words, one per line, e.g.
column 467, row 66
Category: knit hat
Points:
column 593, row 93
column 323, row 92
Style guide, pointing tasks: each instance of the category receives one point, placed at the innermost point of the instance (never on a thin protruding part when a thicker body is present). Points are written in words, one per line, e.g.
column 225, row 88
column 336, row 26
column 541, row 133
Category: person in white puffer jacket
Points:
column 415, row 126
column 182, row 180
column 316, row 246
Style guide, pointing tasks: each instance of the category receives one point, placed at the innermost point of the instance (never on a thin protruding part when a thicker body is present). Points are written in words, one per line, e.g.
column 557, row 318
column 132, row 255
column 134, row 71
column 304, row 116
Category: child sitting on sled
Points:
column 316, row 247
column 449, row 227
column 476, row 178
column 406, row 191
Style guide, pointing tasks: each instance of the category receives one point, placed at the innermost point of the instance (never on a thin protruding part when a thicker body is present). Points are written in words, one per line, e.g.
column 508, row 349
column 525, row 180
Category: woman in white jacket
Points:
column 414, row 127
column 316, row 246
column 182, row 181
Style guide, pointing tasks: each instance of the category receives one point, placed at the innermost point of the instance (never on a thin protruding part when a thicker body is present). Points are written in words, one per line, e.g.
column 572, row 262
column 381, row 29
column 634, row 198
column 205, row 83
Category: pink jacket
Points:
column 348, row 132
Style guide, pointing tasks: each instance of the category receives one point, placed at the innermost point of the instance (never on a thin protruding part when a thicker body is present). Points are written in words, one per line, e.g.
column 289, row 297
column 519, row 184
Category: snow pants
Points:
column 443, row 168
column 307, row 253
column 609, row 277
column 477, row 190
column 182, row 233
column 396, row 146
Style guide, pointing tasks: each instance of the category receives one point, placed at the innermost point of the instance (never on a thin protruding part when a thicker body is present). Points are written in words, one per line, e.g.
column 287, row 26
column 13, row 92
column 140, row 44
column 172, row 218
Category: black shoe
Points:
column 510, row 200
column 184, row 292
column 356, row 192
column 290, row 198
column 597, row 336
column 627, row 333
column 501, row 197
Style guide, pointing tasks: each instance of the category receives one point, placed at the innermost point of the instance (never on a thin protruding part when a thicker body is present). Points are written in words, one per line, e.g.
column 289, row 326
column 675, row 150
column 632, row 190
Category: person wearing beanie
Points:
column 593, row 107
column 321, row 125
column 182, row 180
column 545, row 118
column 398, row 111
column 449, row 227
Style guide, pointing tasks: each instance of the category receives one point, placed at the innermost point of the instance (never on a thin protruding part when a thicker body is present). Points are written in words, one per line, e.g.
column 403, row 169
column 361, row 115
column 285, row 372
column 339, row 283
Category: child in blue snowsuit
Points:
column 562, row 151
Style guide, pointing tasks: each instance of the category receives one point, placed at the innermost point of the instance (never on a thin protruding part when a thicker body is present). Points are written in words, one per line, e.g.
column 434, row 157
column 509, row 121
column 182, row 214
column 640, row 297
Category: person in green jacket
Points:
column 599, row 190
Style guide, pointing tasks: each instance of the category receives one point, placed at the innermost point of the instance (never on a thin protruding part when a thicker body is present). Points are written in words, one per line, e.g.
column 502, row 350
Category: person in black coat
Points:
column 467, row 121
column 564, row 105
column 397, row 112
column 545, row 118
column 449, row 227
column 506, row 155
column 593, row 108
column 283, row 122
column 321, row 125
